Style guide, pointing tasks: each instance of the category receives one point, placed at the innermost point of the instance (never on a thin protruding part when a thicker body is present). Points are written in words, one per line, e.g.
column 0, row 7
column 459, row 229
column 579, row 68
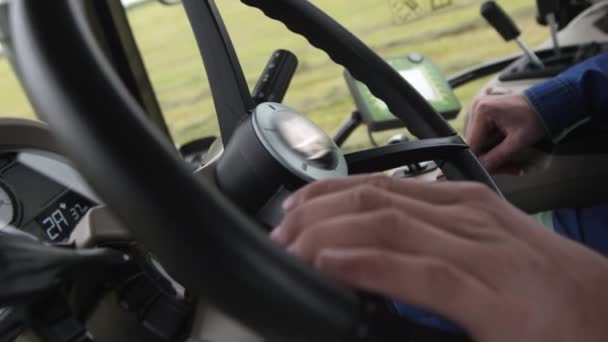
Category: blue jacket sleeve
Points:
column 579, row 93
column 574, row 95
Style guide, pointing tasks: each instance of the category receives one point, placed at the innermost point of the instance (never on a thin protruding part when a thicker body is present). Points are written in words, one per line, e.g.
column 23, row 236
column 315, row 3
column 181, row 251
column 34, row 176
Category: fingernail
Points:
column 289, row 203
column 279, row 236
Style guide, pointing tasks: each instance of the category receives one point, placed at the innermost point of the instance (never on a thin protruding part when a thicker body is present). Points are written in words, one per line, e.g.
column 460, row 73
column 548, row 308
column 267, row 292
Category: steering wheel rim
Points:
column 228, row 259
column 404, row 101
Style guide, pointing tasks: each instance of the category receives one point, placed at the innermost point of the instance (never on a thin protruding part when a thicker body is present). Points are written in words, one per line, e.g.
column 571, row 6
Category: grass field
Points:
column 455, row 38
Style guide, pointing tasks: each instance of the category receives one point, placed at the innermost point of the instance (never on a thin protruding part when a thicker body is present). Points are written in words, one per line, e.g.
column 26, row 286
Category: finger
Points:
column 425, row 282
column 362, row 199
column 329, row 186
column 500, row 154
column 447, row 193
column 477, row 134
column 351, row 198
column 476, row 103
column 387, row 229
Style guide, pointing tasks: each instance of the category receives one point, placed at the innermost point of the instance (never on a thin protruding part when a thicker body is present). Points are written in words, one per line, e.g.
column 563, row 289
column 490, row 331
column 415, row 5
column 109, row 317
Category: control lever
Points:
column 506, row 27
column 274, row 81
column 30, row 267
column 548, row 9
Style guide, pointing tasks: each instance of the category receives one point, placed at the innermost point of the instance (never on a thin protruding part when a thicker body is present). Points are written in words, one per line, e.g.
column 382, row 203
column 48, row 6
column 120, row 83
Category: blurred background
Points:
column 449, row 32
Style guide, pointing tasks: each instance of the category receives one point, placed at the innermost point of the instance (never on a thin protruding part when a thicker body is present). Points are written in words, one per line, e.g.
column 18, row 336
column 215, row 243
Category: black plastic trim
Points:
column 481, row 70
column 397, row 155
column 345, row 131
column 229, row 88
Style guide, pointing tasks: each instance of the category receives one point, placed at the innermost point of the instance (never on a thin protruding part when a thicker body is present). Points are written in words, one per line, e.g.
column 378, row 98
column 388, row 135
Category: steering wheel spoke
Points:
column 392, row 156
column 231, row 95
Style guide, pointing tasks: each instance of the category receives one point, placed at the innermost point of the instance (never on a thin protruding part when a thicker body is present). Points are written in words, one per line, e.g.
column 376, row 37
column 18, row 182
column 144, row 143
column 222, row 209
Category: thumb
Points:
column 498, row 155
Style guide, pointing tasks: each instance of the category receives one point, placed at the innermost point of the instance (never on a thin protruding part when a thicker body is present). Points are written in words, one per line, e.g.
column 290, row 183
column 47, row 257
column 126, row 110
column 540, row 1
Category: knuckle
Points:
column 478, row 219
column 367, row 197
column 369, row 267
column 392, row 227
column 358, row 269
column 313, row 189
column 391, row 219
column 291, row 222
column 438, row 274
column 472, row 222
column 381, row 181
column 308, row 243
column 475, row 222
column 478, row 192
column 294, row 216
column 288, row 228
column 485, row 106
column 446, row 281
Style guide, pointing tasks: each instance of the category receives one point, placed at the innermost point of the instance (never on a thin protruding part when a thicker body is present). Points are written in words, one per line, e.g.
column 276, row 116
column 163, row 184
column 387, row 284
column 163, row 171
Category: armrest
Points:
column 573, row 175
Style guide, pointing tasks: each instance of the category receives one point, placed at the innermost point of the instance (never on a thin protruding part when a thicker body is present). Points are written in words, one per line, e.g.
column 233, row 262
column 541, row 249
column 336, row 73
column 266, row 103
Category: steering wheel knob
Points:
column 306, row 139
column 297, row 143
column 276, row 149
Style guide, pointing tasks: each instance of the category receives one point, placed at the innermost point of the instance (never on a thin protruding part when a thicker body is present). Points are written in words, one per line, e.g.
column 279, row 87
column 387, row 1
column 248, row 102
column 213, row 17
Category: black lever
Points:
column 500, row 20
column 546, row 7
column 276, row 77
column 547, row 11
column 29, row 267
column 506, row 27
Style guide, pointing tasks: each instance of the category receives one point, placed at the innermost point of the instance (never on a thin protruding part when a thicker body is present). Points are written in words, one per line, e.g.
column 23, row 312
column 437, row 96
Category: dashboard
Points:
column 40, row 193
column 35, row 203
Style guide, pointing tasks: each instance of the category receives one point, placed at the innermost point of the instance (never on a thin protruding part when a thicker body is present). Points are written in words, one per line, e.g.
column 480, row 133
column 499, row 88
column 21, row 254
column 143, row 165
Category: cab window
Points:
column 449, row 32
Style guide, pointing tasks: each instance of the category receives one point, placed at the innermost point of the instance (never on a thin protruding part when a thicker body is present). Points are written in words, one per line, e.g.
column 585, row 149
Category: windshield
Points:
column 449, row 32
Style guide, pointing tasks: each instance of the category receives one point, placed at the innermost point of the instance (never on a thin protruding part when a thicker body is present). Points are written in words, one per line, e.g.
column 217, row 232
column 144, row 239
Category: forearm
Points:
column 575, row 95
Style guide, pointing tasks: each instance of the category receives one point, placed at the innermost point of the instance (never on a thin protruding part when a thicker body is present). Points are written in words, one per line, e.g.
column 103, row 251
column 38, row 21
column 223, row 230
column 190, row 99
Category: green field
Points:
column 455, row 38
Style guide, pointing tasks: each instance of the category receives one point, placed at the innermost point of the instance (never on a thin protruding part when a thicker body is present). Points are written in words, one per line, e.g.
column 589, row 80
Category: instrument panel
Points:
column 35, row 203
column 40, row 193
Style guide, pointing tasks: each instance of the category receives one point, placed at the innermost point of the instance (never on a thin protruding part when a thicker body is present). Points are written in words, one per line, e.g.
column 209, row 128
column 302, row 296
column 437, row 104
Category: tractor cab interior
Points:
column 112, row 231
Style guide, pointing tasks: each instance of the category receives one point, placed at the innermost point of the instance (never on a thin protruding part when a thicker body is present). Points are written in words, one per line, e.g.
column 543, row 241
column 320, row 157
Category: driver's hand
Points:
column 455, row 248
column 501, row 126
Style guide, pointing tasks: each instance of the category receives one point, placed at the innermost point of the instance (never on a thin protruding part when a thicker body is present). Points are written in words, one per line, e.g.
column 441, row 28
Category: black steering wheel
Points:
column 203, row 238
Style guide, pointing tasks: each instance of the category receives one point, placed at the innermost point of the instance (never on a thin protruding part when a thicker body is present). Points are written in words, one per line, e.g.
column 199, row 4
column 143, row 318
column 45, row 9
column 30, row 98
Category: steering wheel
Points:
column 201, row 236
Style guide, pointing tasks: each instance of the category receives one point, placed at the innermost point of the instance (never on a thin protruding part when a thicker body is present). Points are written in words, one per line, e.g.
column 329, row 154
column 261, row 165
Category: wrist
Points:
column 546, row 131
column 556, row 103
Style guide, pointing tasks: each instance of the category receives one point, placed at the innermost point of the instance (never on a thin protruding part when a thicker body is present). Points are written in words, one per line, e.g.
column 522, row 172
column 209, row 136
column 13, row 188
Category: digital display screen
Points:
column 60, row 218
column 417, row 78
column 423, row 75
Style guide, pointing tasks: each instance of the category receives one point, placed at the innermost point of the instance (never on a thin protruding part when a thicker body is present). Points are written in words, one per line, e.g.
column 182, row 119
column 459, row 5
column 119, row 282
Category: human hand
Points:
column 504, row 124
column 454, row 248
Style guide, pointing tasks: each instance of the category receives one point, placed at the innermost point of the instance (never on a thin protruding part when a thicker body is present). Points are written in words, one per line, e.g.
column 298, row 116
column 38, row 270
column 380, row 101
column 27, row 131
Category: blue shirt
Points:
column 580, row 93
column 577, row 94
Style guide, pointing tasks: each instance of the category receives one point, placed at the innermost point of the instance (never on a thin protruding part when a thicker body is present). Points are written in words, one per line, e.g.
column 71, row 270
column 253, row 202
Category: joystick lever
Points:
column 507, row 28
column 547, row 10
column 272, row 85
